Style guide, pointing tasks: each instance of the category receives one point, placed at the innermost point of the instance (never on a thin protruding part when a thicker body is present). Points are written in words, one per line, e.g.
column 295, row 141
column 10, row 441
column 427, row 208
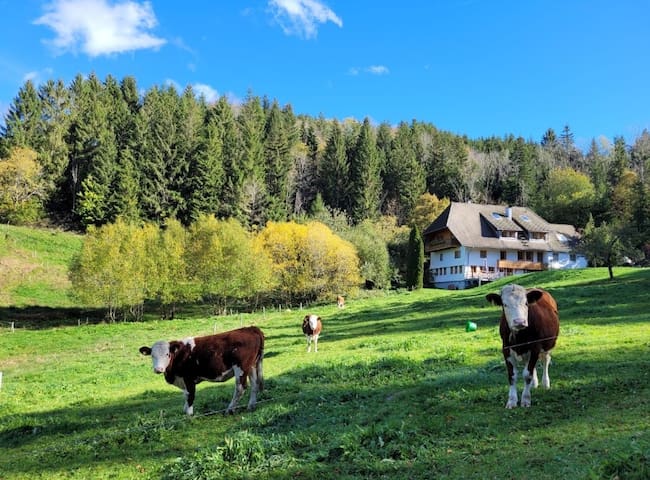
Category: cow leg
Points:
column 511, row 367
column 254, row 388
column 315, row 343
column 546, row 360
column 535, row 379
column 308, row 344
column 190, row 392
column 529, row 370
column 239, row 389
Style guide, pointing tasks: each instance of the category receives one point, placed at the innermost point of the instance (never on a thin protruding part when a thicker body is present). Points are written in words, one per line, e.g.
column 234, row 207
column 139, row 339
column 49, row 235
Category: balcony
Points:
column 434, row 245
column 521, row 265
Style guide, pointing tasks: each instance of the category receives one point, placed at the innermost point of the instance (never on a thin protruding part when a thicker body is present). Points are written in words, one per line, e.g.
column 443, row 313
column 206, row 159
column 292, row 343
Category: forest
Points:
column 93, row 151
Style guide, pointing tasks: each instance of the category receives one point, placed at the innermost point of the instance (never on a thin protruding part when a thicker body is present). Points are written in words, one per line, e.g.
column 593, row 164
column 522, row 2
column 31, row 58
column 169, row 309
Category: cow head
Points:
column 161, row 354
column 515, row 300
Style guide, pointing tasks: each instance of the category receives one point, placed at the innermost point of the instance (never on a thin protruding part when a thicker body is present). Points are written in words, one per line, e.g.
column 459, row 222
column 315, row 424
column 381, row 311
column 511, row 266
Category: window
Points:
column 503, row 255
column 483, row 253
column 520, row 255
column 540, row 257
column 456, row 253
column 572, row 257
column 524, row 218
column 441, row 257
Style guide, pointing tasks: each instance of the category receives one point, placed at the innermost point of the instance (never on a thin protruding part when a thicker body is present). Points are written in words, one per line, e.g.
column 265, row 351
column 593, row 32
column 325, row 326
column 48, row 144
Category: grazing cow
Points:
column 529, row 328
column 311, row 327
column 215, row 358
column 340, row 301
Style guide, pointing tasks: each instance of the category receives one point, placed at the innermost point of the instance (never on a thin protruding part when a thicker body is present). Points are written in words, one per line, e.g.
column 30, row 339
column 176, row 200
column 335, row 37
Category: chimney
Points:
column 509, row 213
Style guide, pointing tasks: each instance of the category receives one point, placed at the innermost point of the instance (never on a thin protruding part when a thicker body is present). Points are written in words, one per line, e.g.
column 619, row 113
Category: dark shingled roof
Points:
column 477, row 226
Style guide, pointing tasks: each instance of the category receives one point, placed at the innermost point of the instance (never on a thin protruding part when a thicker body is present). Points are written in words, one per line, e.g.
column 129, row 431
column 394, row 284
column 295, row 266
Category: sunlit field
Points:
column 398, row 389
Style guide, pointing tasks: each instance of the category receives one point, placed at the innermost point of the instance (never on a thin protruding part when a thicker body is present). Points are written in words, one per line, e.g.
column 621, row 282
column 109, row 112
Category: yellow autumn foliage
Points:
column 309, row 261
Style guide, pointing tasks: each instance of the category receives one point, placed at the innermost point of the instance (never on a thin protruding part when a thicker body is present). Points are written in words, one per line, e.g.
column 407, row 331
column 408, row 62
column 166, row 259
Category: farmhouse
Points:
column 469, row 244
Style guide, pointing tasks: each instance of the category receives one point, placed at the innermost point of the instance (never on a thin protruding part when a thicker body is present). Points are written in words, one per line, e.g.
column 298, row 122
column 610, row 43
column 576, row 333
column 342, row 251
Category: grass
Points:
column 398, row 389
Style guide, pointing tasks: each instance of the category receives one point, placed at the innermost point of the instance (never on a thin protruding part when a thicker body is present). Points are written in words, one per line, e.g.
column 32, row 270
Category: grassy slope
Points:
column 398, row 390
column 34, row 265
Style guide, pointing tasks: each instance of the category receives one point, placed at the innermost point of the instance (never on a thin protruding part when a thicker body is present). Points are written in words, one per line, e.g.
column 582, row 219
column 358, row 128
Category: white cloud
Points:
column 209, row 93
column 302, row 17
column 377, row 70
column 372, row 69
column 99, row 27
column 36, row 77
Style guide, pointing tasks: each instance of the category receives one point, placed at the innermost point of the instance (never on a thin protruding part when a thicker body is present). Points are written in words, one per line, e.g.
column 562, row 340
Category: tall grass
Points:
column 398, row 389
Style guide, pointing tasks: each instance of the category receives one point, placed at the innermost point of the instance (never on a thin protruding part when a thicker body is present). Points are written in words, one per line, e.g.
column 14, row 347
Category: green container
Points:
column 470, row 327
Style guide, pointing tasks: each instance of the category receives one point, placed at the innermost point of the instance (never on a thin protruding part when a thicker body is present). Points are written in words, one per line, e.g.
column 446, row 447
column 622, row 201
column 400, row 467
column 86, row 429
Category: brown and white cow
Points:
column 311, row 327
column 215, row 358
column 529, row 327
column 340, row 301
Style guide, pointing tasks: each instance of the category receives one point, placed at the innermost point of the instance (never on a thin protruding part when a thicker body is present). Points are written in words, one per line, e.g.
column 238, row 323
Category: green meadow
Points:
column 398, row 388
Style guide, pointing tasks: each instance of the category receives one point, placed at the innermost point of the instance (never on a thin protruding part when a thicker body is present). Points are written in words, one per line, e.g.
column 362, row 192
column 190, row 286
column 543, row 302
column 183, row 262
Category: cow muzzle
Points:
column 158, row 370
column 518, row 324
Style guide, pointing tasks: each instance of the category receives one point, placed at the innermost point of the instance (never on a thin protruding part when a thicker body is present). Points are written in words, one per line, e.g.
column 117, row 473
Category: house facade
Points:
column 470, row 244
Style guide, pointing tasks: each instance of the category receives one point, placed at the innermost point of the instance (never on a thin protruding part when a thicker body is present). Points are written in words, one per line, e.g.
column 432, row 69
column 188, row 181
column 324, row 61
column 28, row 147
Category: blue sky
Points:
column 472, row 67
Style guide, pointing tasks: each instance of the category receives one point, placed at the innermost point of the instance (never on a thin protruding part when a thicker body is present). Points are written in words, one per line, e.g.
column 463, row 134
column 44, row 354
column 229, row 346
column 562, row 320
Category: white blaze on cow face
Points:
column 160, row 356
column 515, row 306
column 313, row 321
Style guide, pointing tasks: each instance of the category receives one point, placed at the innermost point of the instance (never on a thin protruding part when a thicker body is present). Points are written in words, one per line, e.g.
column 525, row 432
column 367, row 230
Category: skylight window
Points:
column 561, row 237
column 524, row 218
column 496, row 216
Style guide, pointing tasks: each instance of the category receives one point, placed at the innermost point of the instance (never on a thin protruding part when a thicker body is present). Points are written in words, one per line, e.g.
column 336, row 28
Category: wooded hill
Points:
column 92, row 151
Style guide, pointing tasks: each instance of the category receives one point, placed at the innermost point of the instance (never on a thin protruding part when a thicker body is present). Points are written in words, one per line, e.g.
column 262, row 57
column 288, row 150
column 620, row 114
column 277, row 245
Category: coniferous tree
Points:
column 234, row 175
column 207, row 169
column 334, row 170
column 278, row 163
column 404, row 179
column 254, row 196
column 158, row 161
column 53, row 149
column 415, row 260
column 365, row 179
column 93, row 153
column 620, row 161
column 23, row 120
column 190, row 144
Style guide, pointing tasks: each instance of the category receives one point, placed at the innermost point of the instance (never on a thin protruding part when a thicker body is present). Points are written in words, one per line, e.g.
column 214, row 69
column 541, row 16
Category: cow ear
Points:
column 145, row 350
column 494, row 299
column 533, row 295
column 175, row 347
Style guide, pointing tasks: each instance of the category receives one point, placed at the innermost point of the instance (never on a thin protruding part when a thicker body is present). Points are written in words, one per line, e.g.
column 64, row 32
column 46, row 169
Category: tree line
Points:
column 123, row 265
column 93, row 151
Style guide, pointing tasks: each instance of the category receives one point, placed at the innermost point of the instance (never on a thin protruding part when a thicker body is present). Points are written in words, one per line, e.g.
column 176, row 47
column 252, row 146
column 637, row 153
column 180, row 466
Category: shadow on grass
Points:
column 345, row 416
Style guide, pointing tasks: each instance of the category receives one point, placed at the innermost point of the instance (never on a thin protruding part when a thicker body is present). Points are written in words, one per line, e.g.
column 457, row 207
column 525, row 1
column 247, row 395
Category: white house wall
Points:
column 453, row 272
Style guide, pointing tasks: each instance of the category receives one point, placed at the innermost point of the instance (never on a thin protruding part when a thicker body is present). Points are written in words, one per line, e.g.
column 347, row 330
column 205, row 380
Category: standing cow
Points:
column 529, row 328
column 215, row 358
column 311, row 327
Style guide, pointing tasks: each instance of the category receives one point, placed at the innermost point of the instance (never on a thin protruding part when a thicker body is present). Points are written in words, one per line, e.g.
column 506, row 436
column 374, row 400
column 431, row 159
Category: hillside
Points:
column 398, row 390
column 34, row 266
